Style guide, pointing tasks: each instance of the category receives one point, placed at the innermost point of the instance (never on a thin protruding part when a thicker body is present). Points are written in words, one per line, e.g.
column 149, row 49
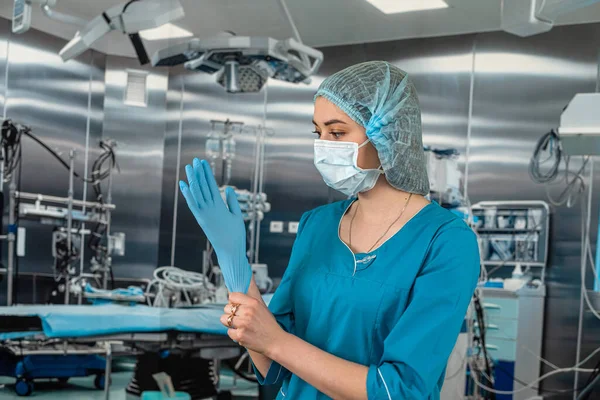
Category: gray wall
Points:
column 203, row 100
column 139, row 132
column 52, row 98
column 520, row 89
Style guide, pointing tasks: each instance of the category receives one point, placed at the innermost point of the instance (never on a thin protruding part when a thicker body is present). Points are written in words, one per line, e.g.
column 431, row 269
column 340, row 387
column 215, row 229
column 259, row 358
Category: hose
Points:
column 549, row 139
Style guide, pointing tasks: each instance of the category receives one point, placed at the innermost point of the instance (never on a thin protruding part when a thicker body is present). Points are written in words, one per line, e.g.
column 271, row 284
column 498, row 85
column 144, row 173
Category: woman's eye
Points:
column 317, row 133
column 337, row 134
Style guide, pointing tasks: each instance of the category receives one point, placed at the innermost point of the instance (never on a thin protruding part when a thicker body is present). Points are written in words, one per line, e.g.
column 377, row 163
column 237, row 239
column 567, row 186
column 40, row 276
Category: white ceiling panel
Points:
column 320, row 22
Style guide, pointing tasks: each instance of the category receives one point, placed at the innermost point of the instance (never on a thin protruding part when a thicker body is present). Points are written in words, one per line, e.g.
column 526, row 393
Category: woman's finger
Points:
column 240, row 310
column 199, row 172
column 210, row 179
column 194, row 185
column 230, row 322
column 234, row 335
column 189, row 199
column 225, row 321
column 232, row 202
column 240, row 298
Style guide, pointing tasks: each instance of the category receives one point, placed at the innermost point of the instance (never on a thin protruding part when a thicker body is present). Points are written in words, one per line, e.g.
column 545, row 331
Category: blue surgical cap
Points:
column 381, row 98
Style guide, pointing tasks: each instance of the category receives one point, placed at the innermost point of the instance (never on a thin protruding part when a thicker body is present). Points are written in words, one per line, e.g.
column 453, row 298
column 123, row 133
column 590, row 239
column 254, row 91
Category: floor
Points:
column 83, row 389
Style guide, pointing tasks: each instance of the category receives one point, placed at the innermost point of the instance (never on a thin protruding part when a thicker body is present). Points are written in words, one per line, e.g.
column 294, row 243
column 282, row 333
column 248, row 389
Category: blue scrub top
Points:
column 397, row 310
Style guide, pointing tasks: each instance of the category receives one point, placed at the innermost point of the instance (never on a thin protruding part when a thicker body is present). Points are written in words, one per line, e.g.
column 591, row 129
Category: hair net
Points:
column 381, row 98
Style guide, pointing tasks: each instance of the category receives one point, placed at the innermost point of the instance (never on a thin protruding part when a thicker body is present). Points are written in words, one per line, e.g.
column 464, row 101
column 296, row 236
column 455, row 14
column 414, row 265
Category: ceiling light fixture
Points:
column 404, row 6
column 167, row 31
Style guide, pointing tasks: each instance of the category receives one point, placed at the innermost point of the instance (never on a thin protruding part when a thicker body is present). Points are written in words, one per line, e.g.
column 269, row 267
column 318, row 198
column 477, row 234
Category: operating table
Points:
column 103, row 330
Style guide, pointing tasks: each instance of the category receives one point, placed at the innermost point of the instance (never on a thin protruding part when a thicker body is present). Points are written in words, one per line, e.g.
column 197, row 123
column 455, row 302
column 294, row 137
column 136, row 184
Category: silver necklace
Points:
column 384, row 233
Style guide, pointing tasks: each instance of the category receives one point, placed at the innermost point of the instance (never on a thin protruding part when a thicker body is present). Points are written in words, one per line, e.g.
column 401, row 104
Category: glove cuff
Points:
column 237, row 273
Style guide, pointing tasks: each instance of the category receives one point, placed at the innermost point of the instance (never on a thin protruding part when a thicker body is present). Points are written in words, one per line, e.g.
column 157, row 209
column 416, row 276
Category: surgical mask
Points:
column 337, row 163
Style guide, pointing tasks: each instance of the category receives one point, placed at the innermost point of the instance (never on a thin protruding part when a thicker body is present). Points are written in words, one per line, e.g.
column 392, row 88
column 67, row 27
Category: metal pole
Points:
column 252, row 224
column 260, row 186
column 177, row 166
column 585, row 231
column 597, row 259
column 107, row 371
column 263, row 132
column 85, row 163
column 108, row 265
column 6, row 79
column 470, row 120
column 69, row 222
column 11, row 241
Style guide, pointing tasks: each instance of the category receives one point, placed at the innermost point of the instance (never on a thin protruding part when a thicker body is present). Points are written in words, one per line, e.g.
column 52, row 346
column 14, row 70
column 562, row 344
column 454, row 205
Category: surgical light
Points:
column 167, row 31
column 403, row 6
column 243, row 64
column 130, row 18
column 232, row 68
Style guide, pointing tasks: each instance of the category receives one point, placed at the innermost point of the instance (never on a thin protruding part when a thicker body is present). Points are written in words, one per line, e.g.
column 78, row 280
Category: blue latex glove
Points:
column 222, row 223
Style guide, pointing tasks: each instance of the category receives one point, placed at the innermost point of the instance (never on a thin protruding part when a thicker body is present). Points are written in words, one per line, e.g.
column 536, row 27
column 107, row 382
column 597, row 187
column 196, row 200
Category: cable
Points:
column 128, row 4
column 11, row 141
column 248, row 378
column 53, row 153
column 532, row 384
column 566, row 196
column 558, row 391
column 99, row 173
column 588, row 391
column 590, row 383
column 482, row 333
column 552, row 140
column 174, row 281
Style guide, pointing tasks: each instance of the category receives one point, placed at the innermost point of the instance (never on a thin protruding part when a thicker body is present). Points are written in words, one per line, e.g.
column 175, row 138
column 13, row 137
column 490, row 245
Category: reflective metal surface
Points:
column 139, row 132
column 52, row 98
column 521, row 88
column 5, row 28
column 204, row 100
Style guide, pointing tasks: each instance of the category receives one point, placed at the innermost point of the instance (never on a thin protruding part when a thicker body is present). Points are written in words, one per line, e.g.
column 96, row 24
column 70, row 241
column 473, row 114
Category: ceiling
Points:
column 320, row 22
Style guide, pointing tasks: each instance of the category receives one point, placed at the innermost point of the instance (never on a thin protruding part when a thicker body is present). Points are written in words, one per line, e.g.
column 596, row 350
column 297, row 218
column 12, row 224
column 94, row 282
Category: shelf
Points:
column 483, row 231
column 512, row 263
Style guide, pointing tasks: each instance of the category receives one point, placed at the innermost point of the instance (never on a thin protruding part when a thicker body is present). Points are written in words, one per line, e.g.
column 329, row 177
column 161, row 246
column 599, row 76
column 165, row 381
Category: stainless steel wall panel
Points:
column 51, row 97
column 5, row 31
column 139, row 133
column 204, row 100
column 521, row 88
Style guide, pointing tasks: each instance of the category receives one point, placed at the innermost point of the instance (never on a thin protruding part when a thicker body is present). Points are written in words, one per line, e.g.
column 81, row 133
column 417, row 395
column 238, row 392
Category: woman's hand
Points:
column 222, row 223
column 253, row 325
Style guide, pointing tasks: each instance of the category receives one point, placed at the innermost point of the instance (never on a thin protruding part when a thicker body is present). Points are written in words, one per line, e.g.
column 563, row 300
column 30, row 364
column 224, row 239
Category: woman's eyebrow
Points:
column 331, row 122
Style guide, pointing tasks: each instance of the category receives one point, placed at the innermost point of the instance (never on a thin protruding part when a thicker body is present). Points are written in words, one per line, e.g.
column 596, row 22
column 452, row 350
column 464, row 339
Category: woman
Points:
column 378, row 285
